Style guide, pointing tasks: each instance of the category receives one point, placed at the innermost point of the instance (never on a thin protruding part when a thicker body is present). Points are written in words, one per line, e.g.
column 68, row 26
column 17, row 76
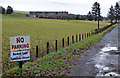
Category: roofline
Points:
column 50, row 11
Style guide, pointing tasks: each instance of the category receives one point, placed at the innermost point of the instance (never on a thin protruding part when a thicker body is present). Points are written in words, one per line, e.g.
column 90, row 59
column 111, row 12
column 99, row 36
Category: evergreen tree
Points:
column 96, row 11
column 117, row 12
column 111, row 14
column 2, row 10
column 9, row 10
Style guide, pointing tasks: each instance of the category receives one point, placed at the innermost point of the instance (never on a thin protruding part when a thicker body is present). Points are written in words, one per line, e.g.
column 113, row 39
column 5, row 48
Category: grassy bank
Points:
column 56, row 63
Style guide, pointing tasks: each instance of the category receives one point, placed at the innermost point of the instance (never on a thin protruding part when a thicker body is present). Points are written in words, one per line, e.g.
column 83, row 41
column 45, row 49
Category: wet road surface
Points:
column 101, row 59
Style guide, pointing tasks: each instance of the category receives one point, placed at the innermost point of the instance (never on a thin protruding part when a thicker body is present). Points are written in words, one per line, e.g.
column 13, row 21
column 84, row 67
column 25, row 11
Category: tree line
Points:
column 9, row 10
column 114, row 13
column 95, row 13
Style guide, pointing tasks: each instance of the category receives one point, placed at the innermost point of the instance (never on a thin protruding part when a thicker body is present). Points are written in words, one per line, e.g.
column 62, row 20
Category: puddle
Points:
column 109, row 74
column 109, row 49
column 112, row 74
column 105, row 62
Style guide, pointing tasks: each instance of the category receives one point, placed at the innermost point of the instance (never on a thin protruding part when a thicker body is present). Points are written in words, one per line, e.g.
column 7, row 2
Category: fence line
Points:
column 81, row 37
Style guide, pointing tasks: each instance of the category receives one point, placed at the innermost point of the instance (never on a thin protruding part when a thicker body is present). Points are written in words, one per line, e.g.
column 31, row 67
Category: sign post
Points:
column 19, row 47
column 20, row 64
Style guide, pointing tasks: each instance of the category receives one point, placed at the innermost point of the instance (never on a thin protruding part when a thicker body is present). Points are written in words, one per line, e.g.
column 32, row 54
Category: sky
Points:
column 81, row 7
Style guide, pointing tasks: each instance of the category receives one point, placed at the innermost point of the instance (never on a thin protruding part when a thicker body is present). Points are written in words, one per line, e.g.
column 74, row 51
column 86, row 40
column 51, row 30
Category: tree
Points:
column 96, row 11
column 2, row 10
column 9, row 10
column 111, row 14
column 117, row 12
column 90, row 16
column 27, row 15
column 77, row 17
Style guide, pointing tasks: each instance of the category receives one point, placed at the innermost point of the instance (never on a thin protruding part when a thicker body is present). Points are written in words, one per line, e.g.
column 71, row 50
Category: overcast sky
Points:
column 72, row 6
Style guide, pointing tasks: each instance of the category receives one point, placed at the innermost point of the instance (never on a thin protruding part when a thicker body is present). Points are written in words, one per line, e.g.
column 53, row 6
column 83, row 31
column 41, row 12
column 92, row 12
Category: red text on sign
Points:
column 20, row 40
column 20, row 46
column 20, row 56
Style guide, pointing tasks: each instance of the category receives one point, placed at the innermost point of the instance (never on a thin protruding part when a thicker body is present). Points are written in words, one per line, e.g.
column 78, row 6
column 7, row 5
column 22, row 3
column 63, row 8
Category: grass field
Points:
column 40, row 31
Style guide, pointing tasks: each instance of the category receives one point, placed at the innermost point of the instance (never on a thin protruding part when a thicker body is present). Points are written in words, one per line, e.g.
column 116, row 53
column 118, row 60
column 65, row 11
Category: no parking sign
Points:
column 19, row 48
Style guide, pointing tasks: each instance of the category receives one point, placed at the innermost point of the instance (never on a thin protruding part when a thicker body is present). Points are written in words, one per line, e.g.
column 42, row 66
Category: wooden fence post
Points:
column 82, row 36
column 56, row 45
column 20, row 64
column 76, row 38
column 85, row 35
column 79, row 37
column 68, row 40
column 36, row 51
column 63, row 42
column 47, row 47
column 72, row 39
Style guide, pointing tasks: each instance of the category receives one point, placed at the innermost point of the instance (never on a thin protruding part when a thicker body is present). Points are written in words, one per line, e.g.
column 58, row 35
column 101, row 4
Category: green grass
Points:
column 15, row 14
column 46, row 29
column 40, row 31
column 57, row 63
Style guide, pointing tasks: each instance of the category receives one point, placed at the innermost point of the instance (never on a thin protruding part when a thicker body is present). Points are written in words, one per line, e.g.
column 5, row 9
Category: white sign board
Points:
column 19, row 43
column 20, row 55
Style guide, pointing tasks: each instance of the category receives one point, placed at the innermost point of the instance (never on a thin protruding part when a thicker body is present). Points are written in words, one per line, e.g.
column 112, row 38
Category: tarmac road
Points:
column 101, row 59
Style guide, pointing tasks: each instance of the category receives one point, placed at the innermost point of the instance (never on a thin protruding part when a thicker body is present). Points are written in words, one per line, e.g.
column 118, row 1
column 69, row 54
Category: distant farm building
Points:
column 45, row 14
column 55, row 15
